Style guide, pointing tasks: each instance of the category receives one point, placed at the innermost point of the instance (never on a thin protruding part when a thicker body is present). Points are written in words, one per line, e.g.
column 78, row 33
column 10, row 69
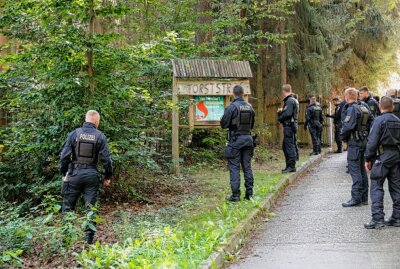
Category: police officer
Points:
column 288, row 117
column 355, row 130
column 337, row 122
column 370, row 101
column 314, row 122
column 239, row 119
column 396, row 101
column 384, row 139
column 81, row 152
column 295, row 96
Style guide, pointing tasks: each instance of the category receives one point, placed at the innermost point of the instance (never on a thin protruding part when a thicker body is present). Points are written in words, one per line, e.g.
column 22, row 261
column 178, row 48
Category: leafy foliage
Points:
column 47, row 88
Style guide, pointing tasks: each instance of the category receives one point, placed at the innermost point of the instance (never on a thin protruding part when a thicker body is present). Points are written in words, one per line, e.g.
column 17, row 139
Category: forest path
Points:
column 312, row 230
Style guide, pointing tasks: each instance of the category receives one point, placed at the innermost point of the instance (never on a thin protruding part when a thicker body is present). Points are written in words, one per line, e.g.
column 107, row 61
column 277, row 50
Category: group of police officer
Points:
column 371, row 131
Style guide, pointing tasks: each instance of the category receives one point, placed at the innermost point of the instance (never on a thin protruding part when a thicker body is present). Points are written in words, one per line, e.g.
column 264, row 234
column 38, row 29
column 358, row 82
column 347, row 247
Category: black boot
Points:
column 88, row 238
column 233, row 199
column 248, row 197
column 351, row 203
column 339, row 151
column 392, row 222
column 374, row 224
column 289, row 170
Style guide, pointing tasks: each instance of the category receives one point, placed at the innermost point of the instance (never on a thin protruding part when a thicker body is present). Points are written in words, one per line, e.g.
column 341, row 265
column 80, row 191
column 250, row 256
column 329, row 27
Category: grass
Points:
column 180, row 233
column 182, row 236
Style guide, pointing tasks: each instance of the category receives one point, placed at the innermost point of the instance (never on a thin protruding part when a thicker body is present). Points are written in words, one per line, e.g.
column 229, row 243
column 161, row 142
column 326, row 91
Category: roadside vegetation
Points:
column 61, row 58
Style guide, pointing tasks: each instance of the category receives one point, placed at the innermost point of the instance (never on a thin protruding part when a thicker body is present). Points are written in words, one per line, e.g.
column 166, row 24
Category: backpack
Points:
column 363, row 121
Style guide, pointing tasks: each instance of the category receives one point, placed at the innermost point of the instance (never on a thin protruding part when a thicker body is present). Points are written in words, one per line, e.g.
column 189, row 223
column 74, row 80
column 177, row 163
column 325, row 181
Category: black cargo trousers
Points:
column 289, row 145
column 338, row 140
column 239, row 152
column 386, row 167
column 356, row 166
column 83, row 180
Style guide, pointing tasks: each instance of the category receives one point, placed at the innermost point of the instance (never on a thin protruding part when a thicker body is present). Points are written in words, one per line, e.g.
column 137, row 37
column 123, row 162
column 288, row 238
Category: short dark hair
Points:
column 364, row 89
column 238, row 90
column 387, row 103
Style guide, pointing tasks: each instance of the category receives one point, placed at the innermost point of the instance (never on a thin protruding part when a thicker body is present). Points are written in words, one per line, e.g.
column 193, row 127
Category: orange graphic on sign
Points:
column 202, row 107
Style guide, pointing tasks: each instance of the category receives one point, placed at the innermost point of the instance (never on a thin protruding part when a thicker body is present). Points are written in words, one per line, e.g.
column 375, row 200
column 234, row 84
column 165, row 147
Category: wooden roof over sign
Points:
column 211, row 69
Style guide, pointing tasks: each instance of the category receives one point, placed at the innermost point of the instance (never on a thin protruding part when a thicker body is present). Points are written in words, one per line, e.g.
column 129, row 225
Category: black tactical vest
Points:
column 244, row 119
column 363, row 121
column 86, row 147
column 391, row 133
column 317, row 112
column 296, row 111
column 396, row 103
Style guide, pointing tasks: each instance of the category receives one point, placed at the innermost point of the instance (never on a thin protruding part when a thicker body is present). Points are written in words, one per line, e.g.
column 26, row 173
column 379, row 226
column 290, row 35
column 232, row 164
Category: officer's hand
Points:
column 368, row 166
column 279, row 110
column 106, row 182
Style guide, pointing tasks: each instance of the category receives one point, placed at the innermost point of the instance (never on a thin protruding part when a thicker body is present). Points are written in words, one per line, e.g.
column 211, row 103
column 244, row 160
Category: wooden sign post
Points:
column 209, row 84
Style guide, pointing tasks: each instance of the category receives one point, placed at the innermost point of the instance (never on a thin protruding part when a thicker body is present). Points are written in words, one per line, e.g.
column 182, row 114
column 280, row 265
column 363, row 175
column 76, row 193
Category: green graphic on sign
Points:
column 209, row 108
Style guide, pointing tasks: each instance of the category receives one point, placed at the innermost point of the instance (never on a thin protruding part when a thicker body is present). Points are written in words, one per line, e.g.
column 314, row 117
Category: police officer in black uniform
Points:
column 239, row 119
column 314, row 122
column 295, row 96
column 337, row 122
column 355, row 131
column 373, row 105
column 396, row 101
column 384, row 139
column 288, row 117
column 81, row 152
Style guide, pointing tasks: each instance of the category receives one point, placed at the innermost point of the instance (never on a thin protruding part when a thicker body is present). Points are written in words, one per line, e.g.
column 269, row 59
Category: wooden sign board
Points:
column 211, row 87
column 208, row 110
column 209, row 84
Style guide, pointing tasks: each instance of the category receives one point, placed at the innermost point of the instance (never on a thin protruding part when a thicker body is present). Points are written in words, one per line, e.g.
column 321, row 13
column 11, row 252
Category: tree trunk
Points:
column 203, row 35
column 89, row 53
column 282, row 27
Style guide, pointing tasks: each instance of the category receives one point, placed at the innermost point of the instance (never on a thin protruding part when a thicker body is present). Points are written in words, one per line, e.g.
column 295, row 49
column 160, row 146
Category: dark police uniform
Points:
column 384, row 139
column 373, row 106
column 355, row 129
column 296, row 127
column 288, row 117
column 81, row 152
column 314, row 121
column 239, row 118
column 338, row 125
column 396, row 104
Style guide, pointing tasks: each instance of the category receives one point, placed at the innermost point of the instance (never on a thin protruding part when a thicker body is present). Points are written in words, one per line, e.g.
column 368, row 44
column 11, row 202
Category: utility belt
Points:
column 235, row 134
column 84, row 165
column 359, row 135
column 385, row 148
column 288, row 123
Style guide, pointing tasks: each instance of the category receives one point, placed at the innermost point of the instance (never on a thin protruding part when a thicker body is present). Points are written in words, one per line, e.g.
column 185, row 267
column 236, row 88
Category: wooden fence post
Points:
column 175, row 129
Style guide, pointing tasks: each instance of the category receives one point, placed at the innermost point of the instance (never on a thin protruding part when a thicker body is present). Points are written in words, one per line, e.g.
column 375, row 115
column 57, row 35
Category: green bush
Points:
column 42, row 232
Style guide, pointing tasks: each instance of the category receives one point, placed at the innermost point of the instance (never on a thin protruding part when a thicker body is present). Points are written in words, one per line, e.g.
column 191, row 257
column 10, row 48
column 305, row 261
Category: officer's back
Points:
column 83, row 149
column 239, row 119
